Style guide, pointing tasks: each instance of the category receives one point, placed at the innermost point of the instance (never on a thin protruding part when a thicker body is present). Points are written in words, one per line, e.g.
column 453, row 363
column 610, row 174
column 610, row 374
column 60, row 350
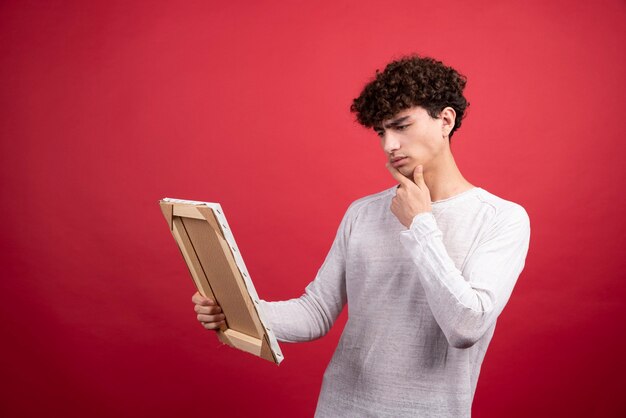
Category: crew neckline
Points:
column 445, row 202
column 457, row 196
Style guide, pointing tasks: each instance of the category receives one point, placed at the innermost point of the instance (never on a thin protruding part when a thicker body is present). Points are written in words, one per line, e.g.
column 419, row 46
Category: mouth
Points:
column 397, row 162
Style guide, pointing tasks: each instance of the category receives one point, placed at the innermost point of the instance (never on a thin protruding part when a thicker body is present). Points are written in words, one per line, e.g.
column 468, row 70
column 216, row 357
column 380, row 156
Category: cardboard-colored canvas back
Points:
column 210, row 252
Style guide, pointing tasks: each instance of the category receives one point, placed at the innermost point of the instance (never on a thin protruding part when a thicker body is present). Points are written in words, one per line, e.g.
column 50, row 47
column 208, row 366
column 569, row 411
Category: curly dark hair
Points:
column 411, row 81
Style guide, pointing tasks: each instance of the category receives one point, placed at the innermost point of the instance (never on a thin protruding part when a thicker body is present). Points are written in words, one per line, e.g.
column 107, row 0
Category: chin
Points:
column 407, row 170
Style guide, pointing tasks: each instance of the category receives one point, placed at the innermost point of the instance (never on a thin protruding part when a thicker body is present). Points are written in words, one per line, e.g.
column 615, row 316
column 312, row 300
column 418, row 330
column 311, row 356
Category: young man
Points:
column 426, row 266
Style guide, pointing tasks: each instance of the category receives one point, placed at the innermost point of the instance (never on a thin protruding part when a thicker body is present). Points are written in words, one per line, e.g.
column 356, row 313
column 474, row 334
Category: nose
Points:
column 390, row 142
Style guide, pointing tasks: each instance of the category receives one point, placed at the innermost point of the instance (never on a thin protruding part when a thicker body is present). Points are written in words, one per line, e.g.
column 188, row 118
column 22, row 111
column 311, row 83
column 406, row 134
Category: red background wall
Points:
column 109, row 106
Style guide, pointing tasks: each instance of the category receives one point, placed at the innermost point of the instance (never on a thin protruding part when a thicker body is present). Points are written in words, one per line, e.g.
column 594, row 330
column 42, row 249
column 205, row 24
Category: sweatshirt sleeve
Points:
column 466, row 304
column 312, row 315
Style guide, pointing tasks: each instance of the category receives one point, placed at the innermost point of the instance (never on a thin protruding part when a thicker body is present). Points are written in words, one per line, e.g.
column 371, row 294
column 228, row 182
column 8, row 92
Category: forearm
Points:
column 306, row 318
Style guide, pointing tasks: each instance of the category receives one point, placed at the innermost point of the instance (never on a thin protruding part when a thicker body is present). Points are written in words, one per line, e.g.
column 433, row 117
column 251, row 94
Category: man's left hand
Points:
column 412, row 198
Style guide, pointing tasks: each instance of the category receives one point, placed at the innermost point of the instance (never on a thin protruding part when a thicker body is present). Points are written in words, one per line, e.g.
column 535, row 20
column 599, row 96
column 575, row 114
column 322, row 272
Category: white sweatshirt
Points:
column 422, row 303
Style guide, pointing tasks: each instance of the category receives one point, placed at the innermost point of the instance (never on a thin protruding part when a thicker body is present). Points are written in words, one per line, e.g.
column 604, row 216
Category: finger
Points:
column 211, row 310
column 418, row 175
column 207, row 310
column 211, row 318
column 213, row 325
column 198, row 299
column 398, row 175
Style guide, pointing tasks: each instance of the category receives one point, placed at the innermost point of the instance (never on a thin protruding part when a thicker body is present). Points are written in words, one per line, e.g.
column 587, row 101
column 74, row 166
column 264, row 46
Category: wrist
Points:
column 420, row 218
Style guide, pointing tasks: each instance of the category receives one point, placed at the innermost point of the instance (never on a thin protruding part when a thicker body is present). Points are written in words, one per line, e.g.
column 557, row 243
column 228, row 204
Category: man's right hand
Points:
column 209, row 313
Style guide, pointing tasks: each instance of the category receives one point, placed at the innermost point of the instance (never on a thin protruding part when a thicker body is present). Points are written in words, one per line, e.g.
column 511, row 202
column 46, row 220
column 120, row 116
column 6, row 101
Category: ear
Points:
column 448, row 116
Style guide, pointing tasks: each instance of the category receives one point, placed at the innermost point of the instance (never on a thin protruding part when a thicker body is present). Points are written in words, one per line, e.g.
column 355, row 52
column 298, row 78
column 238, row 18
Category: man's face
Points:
column 411, row 138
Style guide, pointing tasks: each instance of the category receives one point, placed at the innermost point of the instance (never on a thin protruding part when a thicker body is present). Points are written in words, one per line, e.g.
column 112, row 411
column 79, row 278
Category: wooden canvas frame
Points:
column 217, row 268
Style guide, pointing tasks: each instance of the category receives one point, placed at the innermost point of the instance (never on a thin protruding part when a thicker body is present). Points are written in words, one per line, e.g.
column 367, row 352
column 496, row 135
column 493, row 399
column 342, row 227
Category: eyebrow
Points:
column 393, row 123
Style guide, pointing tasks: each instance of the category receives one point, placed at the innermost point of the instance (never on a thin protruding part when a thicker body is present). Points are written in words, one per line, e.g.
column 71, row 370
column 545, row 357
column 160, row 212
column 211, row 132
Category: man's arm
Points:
column 305, row 318
column 312, row 315
column 467, row 304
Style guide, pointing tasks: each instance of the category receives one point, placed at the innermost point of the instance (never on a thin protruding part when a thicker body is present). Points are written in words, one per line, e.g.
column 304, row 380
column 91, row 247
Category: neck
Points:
column 443, row 177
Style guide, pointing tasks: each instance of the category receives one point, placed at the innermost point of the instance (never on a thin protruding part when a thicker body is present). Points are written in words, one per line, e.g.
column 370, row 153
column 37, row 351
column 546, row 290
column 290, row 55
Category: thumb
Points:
column 418, row 175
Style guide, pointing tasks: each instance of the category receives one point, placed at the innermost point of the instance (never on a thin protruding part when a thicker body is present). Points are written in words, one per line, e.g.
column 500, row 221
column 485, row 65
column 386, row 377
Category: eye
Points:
column 380, row 133
column 401, row 127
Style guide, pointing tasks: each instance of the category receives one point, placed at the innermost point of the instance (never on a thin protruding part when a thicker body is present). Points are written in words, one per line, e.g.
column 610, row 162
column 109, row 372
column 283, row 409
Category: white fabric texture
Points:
column 422, row 303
